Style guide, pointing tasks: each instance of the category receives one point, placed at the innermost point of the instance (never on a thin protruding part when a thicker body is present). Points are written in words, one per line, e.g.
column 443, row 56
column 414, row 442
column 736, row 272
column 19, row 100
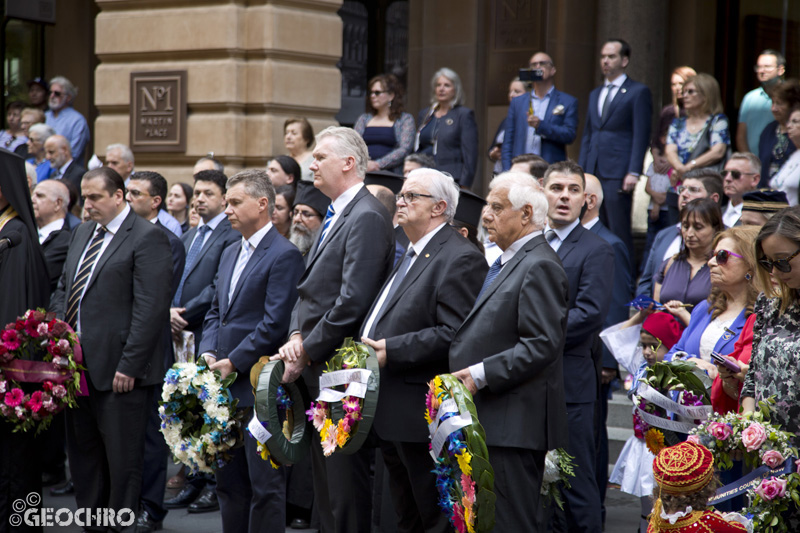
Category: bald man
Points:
column 50, row 199
column 58, row 152
column 618, row 312
column 387, row 198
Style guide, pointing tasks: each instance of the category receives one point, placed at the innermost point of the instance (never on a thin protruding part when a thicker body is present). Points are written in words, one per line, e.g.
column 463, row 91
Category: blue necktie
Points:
column 326, row 223
column 398, row 279
column 494, row 270
column 191, row 257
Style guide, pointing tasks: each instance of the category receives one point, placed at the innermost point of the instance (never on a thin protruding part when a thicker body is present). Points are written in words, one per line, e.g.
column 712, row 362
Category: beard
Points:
column 302, row 237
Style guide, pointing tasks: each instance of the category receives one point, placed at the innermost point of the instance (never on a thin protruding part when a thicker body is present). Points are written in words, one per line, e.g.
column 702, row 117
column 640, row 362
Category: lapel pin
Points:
column 427, row 255
column 449, row 121
column 623, row 90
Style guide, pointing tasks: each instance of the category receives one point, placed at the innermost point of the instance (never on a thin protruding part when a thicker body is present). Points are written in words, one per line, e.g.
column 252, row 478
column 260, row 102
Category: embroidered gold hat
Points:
column 683, row 468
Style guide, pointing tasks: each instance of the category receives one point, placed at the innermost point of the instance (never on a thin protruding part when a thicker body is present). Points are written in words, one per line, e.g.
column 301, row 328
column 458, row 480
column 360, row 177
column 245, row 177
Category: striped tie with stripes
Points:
column 82, row 278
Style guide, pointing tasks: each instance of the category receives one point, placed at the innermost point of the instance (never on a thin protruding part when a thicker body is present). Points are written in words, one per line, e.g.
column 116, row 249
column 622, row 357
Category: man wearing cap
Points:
column 410, row 326
column 741, row 175
column 310, row 205
column 759, row 206
column 468, row 217
column 37, row 93
column 63, row 117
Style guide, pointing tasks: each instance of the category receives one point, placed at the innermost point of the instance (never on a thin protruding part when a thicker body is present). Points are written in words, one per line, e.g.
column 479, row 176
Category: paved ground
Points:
column 622, row 516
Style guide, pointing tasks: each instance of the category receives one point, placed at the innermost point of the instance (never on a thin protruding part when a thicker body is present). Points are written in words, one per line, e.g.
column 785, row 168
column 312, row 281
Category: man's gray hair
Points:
column 442, row 187
column 755, row 162
column 124, row 151
column 60, row 191
column 451, row 75
column 256, row 185
column 42, row 130
column 523, row 189
column 67, row 85
column 348, row 144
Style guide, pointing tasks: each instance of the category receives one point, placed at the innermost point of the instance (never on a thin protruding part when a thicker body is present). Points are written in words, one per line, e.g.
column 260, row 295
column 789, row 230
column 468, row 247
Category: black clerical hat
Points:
column 764, row 201
column 390, row 180
column 469, row 208
column 309, row 195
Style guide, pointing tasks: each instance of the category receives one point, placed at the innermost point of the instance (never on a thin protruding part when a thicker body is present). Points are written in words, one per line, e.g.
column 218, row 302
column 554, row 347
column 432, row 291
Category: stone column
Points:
column 249, row 67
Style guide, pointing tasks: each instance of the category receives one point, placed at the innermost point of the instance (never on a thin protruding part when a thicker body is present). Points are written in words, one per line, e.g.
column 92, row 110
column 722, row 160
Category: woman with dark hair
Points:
column 178, row 201
column 387, row 130
column 282, row 213
column 684, row 278
column 774, row 146
column 787, row 179
column 447, row 130
column 14, row 136
column 283, row 170
column 298, row 137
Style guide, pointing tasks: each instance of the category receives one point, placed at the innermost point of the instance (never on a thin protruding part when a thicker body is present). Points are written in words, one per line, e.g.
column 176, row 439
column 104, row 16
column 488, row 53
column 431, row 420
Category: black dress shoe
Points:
column 299, row 523
column 66, row 490
column 146, row 524
column 183, row 498
column 205, row 503
column 50, row 478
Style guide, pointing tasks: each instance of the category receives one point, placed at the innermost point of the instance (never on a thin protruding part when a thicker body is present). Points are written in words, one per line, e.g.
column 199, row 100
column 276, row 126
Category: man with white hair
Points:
column 50, row 199
column 63, row 117
column 37, row 136
column 508, row 352
column 410, row 326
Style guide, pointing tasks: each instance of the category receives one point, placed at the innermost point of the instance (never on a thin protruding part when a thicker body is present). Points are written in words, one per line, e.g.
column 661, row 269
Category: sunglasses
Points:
column 653, row 348
column 689, row 92
column 736, row 175
column 722, row 256
column 781, row 264
column 693, row 190
column 57, row 94
column 376, row 93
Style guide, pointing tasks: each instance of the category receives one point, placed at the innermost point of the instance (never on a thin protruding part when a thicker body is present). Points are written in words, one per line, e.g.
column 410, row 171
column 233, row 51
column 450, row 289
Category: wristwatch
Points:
column 693, row 162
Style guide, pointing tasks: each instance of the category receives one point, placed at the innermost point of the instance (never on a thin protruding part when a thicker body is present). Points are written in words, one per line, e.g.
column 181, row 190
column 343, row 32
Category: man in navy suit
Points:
column 616, row 137
column 621, row 294
column 543, row 121
column 589, row 263
column 249, row 317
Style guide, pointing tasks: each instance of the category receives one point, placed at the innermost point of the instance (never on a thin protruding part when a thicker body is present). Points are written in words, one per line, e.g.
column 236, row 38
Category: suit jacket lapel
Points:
column 116, row 242
column 570, row 242
column 552, row 104
column 621, row 92
column 316, row 250
column 251, row 263
column 216, row 233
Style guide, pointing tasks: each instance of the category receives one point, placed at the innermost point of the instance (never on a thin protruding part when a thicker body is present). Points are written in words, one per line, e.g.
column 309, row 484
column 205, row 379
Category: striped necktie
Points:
column 82, row 277
column 191, row 257
column 326, row 223
column 494, row 270
column 241, row 262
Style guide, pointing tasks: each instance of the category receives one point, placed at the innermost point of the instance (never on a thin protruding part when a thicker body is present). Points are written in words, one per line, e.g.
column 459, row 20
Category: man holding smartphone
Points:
column 543, row 121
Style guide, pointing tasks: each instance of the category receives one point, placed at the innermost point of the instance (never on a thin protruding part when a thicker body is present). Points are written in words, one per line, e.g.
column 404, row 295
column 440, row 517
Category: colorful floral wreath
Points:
column 40, row 370
column 760, row 444
column 464, row 477
column 279, row 406
column 344, row 418
column 198, row 419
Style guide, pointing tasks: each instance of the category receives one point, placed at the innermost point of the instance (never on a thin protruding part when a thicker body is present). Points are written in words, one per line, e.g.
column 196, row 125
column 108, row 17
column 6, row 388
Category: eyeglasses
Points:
column 692, row 190
column 766, row 68
column 305, row 214
column 537, row 64
column 409, row 197
column 781, row 264
column 136, row 194
column 722, row 256
column 689, row 92
column 376, row 93
column 57, row 94
column 735, row 174
column 653, row 348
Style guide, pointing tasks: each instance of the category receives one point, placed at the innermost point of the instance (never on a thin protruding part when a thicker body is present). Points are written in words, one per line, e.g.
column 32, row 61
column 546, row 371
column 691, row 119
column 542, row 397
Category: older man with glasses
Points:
column 63, row 117
column 741, row 175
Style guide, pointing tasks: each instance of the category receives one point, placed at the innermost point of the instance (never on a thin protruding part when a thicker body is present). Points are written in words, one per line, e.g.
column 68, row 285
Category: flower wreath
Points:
column 197, row 412
column 279, row 406
column 675, row 387
column 344, row 418
column 774, row 485
column 464, row 477
column 40, row 370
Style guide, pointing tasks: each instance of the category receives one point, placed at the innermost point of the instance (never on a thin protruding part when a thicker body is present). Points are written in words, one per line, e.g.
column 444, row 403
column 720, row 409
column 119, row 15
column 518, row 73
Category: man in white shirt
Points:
column 741, row 175
column 50, row 199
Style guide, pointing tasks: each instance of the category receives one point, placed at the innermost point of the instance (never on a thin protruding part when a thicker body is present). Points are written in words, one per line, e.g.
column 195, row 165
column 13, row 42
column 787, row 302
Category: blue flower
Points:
column 172, row 376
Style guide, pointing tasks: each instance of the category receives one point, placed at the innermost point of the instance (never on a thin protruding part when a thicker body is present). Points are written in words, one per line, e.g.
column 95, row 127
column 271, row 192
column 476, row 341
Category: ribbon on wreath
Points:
column 356, row 380
column 731, row 490
column 440, row 430
column 25, row 371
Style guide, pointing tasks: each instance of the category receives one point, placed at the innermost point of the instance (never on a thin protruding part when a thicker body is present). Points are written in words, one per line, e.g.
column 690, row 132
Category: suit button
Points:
column 224, row 322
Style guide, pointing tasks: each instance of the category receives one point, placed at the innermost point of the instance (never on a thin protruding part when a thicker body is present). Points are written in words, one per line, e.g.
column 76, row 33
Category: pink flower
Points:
column 14, row 398
column 458, row 518
column 693, row 439
column 42, row 328
column 32, row 328
column 797, row 463
column 468, row 486
column 719, row 430
column 10, row 340
column 772, row 488
column 351, row 404
column 329, row 444
column 318, row 416
column 35, row 403
column 754, row 436
column 772, row 458
column 64, row 346
column 59, row 391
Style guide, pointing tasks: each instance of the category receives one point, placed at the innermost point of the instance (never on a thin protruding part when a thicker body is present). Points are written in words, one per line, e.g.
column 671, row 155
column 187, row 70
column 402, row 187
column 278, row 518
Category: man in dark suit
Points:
column 508, row 352
column 621, row 294
column 145, row 194
column 249, row 317
column 589, row 263
column 542, row 121
column 616, row 137
column 50, row 200
column 57, row 151
column 410, row 326
column 344, row 272
column 114, row 288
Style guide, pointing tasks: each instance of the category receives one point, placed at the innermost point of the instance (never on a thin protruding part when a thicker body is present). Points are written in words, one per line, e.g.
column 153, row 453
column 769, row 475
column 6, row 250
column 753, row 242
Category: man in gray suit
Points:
column 114, row 290
column 344, row 272
column 508, row 351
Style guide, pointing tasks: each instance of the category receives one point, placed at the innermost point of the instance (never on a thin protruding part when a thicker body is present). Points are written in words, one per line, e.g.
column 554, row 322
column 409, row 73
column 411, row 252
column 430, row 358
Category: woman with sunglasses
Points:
column 787, row 179
column 776, row 332
column 387, row 130
column 683, row 280
column 701, row 138
column 774, row 146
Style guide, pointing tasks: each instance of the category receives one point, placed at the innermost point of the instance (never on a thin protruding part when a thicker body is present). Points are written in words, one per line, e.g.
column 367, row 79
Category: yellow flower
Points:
column 464, row 459
column 438, row 387
column 654, row 440
column 469, row 514
column 342, row 436
column 427, row 417
column 326, row 426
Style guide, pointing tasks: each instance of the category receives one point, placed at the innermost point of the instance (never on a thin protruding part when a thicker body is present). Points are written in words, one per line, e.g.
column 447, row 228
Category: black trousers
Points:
column 517, row 482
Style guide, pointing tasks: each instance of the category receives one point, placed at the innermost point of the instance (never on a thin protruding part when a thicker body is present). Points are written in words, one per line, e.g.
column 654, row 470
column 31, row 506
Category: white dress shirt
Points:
column 47, row 229
column 732, row 214
column 561, row 233
column 252, row 243
column 616, row 84
column 341, row 202
column 213, row 223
